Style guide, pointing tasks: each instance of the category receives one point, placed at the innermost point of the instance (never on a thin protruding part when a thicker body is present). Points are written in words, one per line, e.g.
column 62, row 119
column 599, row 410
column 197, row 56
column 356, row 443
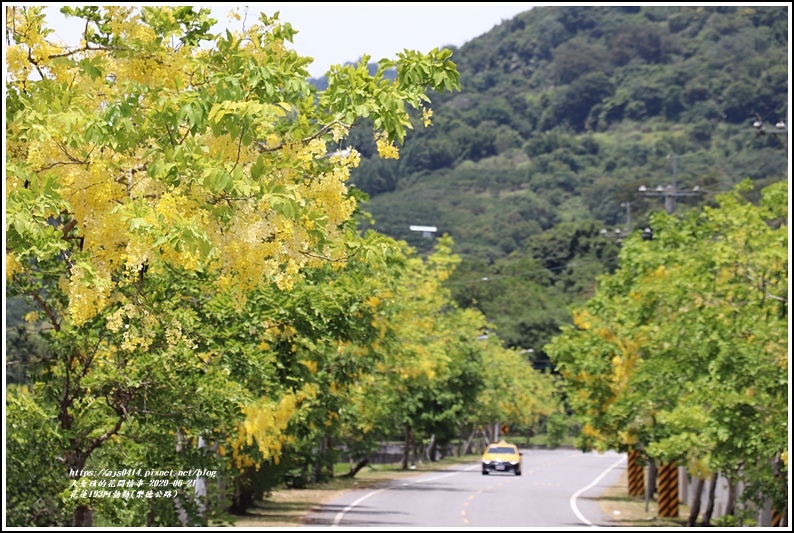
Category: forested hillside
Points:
column 564, row 113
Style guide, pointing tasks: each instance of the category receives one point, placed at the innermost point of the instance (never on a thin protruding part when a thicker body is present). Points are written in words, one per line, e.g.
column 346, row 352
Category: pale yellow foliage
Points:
column 427, row 115
column 311, row 365
column 257, row 245
column 628, row 438
column 86, row 299
column 264, row 423
column 386, row 148
column 12, row 265
column 580, row 319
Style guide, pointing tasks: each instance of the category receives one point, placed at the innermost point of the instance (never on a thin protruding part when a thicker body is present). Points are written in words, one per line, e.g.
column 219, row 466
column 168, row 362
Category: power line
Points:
column 536, row 271
column 671, row 192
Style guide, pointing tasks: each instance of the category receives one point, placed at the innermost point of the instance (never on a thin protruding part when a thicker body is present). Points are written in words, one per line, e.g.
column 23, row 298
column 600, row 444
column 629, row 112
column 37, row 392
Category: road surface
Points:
column 557, row 489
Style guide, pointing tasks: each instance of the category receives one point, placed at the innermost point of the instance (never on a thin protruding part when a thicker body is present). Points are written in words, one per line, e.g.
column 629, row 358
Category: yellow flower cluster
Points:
column 135, row 254
column 329, row 192
column 386, row 149
column 174, row 336
column 264, row 422
column 12, row 265
column 427, row 116
column 132, row 341
column 316, row 147
column 18, row 66
column 580, row 319
column 116, row 320
column 86, row 299
column 311, row 365
column 223, row 147
column 339, row 132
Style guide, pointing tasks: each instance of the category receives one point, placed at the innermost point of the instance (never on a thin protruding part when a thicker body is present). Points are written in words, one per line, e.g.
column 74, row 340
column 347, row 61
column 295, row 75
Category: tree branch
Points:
column 87, row 48
column 53, row 165
column 47, row 309
column 323, row 131
column 329, row 259
column 239, row 149
column 105, row 436
column 761, row 285
column 70, row 156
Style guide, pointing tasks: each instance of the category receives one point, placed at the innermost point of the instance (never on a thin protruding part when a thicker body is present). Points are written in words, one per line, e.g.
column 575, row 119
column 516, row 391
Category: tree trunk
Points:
column 730, row 507
column 242, row 498
column 355, row 469
column 181, row 441
column 329, row 457
column 485, row 437
column 667, row 490
column 151, row 515
column 694, row 510
column 650, row 488
column 706, row 521
column 430, row 451
column 200, row 491
column 83, row 517
column 779, row 517
column 636, row 474
column 221, row 502
column 409, row 444
column 467, row 445
column 319, row 460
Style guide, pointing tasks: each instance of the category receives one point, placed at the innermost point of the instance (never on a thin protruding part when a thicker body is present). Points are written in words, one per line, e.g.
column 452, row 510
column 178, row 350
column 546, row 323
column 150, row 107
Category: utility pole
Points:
column 671, row 192
column 618, row 233
column 627, row 205
column 760, row 129
column 669, row 200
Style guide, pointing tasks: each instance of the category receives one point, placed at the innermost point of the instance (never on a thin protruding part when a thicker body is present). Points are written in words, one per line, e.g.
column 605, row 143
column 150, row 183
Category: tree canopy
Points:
column 683, row 351
column 171, row 197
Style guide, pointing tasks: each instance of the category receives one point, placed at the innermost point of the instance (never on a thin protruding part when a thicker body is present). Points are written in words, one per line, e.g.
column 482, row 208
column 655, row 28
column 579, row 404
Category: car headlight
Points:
column 486, row 461
column 513, row 462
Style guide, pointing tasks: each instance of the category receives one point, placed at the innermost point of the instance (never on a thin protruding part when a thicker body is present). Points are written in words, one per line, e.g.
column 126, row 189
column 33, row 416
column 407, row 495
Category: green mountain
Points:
column 564, row 114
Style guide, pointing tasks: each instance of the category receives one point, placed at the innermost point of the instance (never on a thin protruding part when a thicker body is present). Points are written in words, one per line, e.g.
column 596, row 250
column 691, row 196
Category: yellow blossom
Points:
column 386, row 149
column 426, row 116
column 12, row 265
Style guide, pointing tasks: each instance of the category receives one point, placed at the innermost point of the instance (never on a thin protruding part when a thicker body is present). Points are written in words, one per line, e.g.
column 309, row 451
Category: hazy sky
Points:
column 339, row 32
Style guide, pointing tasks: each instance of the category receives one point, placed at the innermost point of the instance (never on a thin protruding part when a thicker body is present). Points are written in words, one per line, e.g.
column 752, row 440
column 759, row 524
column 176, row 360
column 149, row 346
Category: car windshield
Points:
column 501, row 449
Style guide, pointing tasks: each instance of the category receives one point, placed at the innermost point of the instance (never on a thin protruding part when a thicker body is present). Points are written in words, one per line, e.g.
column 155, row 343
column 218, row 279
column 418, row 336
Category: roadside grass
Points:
column 288, row 507
column 630, row 510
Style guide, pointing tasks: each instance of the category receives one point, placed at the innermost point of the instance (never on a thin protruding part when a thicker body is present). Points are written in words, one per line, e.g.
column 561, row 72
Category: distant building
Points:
column 427, row 231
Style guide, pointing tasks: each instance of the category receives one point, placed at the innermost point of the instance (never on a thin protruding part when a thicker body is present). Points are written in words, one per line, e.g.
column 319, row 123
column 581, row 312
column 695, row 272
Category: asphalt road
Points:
column 558, row 489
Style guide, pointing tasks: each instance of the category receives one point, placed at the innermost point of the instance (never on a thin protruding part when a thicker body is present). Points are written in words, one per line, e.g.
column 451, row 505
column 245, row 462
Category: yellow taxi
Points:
column 501, row 457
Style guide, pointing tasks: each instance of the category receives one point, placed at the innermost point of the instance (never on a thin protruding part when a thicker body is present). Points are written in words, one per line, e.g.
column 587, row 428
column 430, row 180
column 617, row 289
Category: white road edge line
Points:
column 341, row 514
column 575, row 509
